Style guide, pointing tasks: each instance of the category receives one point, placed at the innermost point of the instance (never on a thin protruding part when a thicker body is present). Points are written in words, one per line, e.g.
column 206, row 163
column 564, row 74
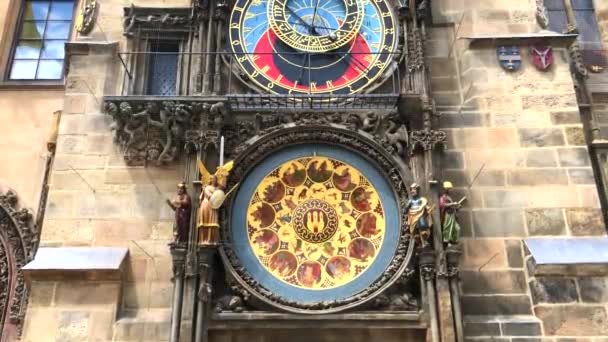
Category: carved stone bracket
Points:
column 309, row 130
column 156, row 131
column 18, row 241
column 178, row 253
column 427, row 140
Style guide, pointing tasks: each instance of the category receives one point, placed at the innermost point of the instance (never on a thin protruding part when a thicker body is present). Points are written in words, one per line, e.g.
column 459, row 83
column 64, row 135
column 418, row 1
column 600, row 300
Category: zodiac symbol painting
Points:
column 315, row 223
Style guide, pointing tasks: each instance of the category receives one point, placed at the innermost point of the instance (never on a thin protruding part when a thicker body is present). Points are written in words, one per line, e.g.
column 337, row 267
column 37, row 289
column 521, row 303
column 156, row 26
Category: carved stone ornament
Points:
column 156, row 19
column 157, row 131
column 542, row 16
column 276, row 138
column 427, row 139
column 577, row 60
column 86, row 17
column 18, row 240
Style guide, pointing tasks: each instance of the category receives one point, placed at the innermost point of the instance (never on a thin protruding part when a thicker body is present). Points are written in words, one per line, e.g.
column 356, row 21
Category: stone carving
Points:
column 396, row 135
column 86, row 18
column 542, row 16
column 422, row 10
column 155, row 18
column 400, row 296
column 578, row 63
column 229, row 303
column 153, row 131
column 426, row 140
column 18, row 241
column 308, row 129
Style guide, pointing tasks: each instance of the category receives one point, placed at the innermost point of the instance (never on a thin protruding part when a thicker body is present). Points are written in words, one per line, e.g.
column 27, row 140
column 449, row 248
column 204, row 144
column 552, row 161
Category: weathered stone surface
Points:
column 496, row 305
column 72, row 326
column 540, row 158
column 537, row 177
column 128, row 329
column 573, row 157
column 545, row 222
column 453, row 160
column 573, row 320
column 156, row 331
column 565, row 118
column 553, row 290
column 575, row 136
column 498, row 223
column 87, row 293
column 541, row 137
column 489, row 178
column 481, row 329
column 457, row 177
column 581, row 176
column 455, row 120
column 593, row 289
column 493, row 282
column 41, row 293
column 514, row 253
column 521, row 328
column 102, row 325
column 585, row 221
column 489, row 253
column 505, row 199
column 502, row 138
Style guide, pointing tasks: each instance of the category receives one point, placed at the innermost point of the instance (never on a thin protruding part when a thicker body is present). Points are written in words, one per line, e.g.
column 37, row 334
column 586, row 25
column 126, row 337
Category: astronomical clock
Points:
column 306, row 205
column 313, row 47
column 315, row 224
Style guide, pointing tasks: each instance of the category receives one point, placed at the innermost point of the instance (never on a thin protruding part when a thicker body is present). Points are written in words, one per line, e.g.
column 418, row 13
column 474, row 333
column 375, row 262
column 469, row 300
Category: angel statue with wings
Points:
column 211, row 199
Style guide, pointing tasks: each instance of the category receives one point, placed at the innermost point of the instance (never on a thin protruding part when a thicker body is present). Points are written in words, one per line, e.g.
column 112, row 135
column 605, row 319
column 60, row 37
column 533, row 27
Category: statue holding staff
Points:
column 182, row 206
column 419, row 217
column 450, row 227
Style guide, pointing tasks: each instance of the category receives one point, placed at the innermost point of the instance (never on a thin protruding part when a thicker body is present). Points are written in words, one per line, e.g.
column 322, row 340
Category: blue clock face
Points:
column 310, row 47
column 315, row 25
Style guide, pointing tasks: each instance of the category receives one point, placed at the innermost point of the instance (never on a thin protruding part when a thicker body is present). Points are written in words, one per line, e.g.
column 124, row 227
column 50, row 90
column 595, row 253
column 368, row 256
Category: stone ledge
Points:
column 568, row 256
column 491, row 326
column 77, row 263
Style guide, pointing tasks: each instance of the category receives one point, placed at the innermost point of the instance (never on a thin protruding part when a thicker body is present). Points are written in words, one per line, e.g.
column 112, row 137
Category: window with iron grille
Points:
column 38, row 52
column 162, row 68
column 589, row 37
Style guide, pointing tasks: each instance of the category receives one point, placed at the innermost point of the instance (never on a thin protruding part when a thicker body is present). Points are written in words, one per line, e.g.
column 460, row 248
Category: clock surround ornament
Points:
column 261, row 161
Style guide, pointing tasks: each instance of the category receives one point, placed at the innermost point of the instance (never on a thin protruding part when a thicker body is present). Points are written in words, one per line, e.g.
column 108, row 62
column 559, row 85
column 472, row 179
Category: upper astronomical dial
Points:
column 264, row 48
column 315, row 25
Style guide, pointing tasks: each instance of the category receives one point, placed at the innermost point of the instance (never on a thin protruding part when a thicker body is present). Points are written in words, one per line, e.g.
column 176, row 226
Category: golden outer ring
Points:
column 322, row 43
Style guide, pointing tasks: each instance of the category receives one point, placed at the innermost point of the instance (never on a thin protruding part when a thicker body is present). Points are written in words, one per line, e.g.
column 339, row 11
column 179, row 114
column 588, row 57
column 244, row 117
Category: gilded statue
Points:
column 181, row 205
column 211, row 199
column 450, row 228
column 419, row 217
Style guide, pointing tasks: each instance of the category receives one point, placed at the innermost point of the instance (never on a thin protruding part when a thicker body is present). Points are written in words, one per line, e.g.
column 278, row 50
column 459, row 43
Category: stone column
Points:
column 206, row 255
column 178, row 253
column 452, row 254
column 427, row 272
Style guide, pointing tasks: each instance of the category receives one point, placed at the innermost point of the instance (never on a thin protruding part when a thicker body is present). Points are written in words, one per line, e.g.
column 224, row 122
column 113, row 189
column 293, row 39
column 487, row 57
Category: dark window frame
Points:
column 590, row 37
column 7, row 81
